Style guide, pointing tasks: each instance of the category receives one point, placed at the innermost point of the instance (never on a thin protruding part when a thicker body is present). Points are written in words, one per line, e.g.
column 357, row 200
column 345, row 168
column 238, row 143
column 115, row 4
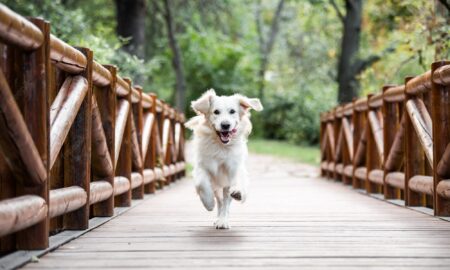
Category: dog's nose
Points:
column 225, row 126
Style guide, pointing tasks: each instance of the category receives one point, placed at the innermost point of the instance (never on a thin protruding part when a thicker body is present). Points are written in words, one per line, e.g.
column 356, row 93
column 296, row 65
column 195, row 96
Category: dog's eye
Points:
column 232, row 111
column 216, row 112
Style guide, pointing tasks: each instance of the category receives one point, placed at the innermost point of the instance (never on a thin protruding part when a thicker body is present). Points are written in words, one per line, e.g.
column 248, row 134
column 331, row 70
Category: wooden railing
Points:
column 395, row 143
column 76, row 139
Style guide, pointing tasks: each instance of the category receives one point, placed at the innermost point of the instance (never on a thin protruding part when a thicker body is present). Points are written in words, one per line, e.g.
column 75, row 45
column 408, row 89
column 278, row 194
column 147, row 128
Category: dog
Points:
column 221, row 129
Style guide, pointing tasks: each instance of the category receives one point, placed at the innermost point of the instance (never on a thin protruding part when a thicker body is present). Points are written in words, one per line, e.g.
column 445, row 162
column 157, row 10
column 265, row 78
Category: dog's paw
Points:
column 221, row 224
column 237, row 194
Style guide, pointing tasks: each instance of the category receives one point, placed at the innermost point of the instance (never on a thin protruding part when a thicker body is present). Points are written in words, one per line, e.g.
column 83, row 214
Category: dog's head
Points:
column 224, row 113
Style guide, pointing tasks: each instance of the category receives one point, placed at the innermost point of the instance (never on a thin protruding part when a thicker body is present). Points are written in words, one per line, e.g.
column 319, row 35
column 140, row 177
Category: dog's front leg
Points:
column 203, row 187
column 239, row 185
column 223, row 209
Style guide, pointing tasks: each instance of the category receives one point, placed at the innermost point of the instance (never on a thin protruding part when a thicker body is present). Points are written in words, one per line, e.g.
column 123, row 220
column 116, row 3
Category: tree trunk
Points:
column 177, row 61
column 442, row 46
column 131, row 24
column 265, row 48
column 348, row 84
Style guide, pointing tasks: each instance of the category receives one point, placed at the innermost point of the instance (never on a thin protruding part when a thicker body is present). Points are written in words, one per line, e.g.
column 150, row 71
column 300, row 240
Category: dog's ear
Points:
column 250, row 103
column 201, row 105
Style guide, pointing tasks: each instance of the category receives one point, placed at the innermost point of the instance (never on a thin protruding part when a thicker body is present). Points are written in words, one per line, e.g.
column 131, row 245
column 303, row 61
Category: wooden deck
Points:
column 292, row 219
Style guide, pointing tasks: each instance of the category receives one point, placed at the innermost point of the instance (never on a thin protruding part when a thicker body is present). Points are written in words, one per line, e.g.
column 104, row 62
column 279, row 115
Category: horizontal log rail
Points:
column 21, row 212
column 394, row 94
column 399, row 141
column 78, row 140
column 66, row 200
column 18, row 31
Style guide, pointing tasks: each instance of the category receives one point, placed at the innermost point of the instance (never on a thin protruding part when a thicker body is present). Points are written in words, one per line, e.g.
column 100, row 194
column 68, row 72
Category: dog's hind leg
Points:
column 223, row 210
column 204, row 189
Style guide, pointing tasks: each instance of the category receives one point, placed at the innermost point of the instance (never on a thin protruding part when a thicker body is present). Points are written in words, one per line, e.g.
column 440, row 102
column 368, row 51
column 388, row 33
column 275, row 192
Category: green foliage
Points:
column 86, row 24
column 220, row 49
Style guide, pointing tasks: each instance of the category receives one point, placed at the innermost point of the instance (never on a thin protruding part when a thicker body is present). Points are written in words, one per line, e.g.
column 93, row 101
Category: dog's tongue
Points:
column 225, row 136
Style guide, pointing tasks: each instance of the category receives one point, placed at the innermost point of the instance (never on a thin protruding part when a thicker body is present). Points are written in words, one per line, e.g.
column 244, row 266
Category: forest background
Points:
column 300, row 57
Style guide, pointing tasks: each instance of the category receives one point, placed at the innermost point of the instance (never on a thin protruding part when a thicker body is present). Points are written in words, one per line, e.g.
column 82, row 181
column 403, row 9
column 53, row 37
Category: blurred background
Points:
column 300, row 57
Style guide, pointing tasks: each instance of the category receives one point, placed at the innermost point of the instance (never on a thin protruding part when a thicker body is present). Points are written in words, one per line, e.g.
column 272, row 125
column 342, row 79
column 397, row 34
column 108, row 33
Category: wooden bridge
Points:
column 90, row 162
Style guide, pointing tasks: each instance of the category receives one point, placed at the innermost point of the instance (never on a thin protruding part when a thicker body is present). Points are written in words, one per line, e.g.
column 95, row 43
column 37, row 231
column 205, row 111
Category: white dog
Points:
column 220, row 146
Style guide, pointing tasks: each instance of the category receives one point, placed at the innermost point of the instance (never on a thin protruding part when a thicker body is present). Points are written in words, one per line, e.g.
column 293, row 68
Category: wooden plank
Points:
column 339, row 228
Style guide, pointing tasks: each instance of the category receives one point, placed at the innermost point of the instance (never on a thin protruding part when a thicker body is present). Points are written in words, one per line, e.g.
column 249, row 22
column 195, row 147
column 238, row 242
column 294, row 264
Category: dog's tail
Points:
column 194, row 122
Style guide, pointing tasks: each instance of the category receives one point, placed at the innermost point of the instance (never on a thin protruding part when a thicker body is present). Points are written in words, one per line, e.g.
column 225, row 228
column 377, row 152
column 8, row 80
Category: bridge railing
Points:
column 76, row 139
column 400, row 139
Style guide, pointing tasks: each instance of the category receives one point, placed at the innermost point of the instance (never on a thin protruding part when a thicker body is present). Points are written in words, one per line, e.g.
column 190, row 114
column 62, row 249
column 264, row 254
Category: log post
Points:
column 322, row 142
column 57, row 78
column 372, row 157
column 35, row 109
column 7, row 182
column 150, row 158
column 158, row 144
column 77, row 152
column 359, row 143
column 106, row 101
column 182, row 141
column 440, row 115
column 414, row 158
column 137, row 111
column 123, row 167
column 391, row 121
column 337, row 130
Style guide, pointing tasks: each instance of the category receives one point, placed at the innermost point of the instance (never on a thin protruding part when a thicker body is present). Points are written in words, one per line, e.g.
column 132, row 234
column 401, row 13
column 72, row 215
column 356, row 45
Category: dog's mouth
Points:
column 225, row 136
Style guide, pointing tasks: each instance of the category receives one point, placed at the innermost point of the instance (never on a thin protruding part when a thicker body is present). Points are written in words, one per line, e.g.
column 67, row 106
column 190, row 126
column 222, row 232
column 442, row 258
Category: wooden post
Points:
column 358, row 125
column 440, row 115
column 106, row 100
column 336, row 129
column 372, row 157
column 414, row 158
column 322, row 143
column 77, row 152
column 182, row 148
column 346, row 160
column 391, row 121
column 123, row 167
column 35, row 108
column 56, row 179
column 137, row 110
column 150, row 159
column 7, row 182
column 159, row 134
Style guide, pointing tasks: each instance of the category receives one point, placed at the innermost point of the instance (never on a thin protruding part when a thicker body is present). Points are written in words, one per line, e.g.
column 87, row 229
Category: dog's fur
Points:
column 220, row 154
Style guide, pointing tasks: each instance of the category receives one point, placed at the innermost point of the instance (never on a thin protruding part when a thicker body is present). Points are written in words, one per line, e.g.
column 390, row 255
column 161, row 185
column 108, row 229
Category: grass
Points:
column 305, row 154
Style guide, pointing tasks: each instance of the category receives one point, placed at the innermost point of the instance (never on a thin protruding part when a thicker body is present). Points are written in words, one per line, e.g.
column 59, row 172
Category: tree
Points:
column 131, row 15
column 177, row 61
column 350, row 65
column 265, row 47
